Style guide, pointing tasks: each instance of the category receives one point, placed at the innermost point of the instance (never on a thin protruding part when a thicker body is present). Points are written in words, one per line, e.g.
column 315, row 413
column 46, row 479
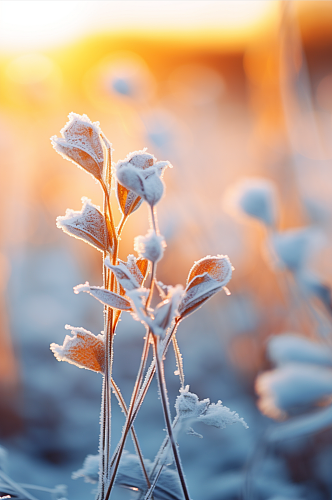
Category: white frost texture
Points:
column 87, row 224
column 141, row 174
column 151, row 246
column 81, row 144
column 189, row 407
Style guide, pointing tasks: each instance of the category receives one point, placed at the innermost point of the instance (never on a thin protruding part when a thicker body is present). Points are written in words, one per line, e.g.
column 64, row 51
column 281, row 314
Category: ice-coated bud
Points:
column 151, row 246
column 88, row 225
column 256, row 198
column 81, row 143
column 139, row 178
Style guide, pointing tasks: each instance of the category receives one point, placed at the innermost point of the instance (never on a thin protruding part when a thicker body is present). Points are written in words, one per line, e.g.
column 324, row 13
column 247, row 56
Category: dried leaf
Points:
column 81, row 143
column 88, row 225
column 105, row 296
column 83, row 349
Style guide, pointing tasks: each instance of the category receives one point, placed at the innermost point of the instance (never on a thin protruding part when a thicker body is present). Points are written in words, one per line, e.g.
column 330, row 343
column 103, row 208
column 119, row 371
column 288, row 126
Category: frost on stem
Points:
column 207, row 277
column 81, row 143
column 189, row 408
column 139, row 178
column 151, row 246
column 88, row 225
column 83, row 349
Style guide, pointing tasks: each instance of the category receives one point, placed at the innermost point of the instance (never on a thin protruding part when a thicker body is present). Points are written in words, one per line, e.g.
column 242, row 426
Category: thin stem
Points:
column 164, row 401
column 123, row 406
column 117, row 456
column 153, row 277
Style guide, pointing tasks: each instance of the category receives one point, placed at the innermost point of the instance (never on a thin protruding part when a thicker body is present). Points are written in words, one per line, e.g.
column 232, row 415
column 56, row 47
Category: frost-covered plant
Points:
column 137, row 178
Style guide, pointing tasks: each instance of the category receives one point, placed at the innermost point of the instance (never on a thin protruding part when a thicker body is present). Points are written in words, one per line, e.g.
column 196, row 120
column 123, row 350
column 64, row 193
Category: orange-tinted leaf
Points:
column 219, row 268
column 128, row 200
column 83, row 349
column 199, row 290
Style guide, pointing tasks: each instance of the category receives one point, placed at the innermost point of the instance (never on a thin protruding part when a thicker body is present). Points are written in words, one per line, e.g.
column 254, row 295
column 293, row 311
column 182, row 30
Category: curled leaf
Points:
column 88, row 225
column 207, row 277
column 81, row 143
column 83, row 349
column 123, row 275
column 105, row 296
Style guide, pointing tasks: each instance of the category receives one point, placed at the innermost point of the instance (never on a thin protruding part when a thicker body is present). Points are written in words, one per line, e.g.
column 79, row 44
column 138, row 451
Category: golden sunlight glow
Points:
column 33, row 24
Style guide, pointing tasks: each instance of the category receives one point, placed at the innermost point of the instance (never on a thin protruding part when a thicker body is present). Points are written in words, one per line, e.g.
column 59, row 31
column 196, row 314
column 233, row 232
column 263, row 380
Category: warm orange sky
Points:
column 26, row 25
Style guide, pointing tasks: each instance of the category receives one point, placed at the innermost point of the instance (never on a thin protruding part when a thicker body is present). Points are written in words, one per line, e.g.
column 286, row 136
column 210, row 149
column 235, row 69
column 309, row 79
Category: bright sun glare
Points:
column 40, row 24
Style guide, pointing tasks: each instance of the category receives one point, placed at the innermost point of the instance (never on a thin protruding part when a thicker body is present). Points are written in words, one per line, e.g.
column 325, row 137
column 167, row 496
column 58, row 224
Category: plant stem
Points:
column 123, row 406
column 117, row 456
column 164, row 401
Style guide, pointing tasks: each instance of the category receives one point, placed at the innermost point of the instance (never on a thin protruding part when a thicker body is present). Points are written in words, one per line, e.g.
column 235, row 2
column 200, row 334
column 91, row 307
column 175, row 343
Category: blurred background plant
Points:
column 226, row 91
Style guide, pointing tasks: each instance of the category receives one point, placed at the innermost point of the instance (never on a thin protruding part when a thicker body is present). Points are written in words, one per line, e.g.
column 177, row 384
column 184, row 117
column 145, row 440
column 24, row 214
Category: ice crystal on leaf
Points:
column 189, row 408
column 88, row 225
column 207, row 277
column 81, row 143
column 105, row 296
column 83, row 349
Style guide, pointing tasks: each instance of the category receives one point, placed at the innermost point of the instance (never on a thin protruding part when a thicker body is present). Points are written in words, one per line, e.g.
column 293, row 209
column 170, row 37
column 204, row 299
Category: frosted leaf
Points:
column 293, row 247
column 288, row 347
column 104, row 296
column 151, row 246
column 138, row 298
column 255, row 198
column 83, row 349
column 88, row 225
column 81, row 143
column 207, row 277
column 219, row 268
column 191, row 432
column 300, row 426
column 130, row 475
column 123, row 275
column 138, row 267
column 89, row 471
column 290, row 386
column 166, row 310
column 220, row 416
column 188, row 407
